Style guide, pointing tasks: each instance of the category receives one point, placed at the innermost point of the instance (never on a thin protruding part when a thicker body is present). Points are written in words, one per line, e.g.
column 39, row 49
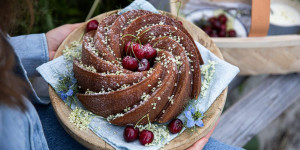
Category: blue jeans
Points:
column 57, row 138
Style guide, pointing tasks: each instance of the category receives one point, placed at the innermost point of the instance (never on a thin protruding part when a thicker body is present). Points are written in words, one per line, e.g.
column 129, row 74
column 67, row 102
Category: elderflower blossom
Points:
column 207, row 71
column 88, row 67
column 74, row 51
column 80, row 118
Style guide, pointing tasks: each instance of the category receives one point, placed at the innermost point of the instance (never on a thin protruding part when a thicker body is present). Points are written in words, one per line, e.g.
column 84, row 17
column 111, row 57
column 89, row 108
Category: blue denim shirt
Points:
column 23, row 130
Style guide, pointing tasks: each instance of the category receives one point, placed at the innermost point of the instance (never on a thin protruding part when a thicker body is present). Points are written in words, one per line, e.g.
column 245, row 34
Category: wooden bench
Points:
column 257, row 109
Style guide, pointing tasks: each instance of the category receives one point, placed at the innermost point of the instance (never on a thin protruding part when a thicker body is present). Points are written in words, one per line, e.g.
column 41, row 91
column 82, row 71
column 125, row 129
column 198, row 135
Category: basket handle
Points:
column 260, row 18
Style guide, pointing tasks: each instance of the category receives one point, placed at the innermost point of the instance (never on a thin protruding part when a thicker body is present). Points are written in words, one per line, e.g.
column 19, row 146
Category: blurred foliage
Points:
column 52, row 13
column 253, row 144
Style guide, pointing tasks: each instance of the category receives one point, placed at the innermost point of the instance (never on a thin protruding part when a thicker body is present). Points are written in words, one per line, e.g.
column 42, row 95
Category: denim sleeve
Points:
column 213, row 144
column 32, row 50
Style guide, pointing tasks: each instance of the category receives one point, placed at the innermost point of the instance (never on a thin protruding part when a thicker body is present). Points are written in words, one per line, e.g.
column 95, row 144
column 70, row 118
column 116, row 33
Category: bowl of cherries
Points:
column 217, row 23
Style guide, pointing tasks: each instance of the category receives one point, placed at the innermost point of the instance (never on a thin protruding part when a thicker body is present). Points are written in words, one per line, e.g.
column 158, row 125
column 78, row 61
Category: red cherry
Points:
column 211, row 20
column 146, row 137
column 222, row 18
column 130, row 63
column 231, row 33
column 207, row 29
column 223, row 27
column 216, row 25
column 139, row 51
column 222, row 33
column 144, row 65
column 130, row 133
column 150, row 51
column 92, row 25
column 180, row 22
column 128, row 48
column 175, row 126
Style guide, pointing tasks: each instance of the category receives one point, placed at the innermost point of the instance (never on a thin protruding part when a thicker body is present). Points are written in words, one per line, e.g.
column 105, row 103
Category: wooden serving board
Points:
column 183, row 141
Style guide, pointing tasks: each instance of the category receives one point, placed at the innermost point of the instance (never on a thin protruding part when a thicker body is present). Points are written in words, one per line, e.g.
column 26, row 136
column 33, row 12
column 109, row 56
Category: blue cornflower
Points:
column 70, row 92
column 60, row 78
column 63, row 95
column 193, row 118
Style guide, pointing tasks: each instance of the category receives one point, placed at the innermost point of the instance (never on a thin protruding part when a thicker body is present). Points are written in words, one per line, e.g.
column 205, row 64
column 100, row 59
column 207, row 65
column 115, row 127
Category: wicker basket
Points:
column 258, row 55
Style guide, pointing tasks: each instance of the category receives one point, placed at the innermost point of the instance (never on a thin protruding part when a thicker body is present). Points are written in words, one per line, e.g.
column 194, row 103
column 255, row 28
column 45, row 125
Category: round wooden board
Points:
column 183, row 141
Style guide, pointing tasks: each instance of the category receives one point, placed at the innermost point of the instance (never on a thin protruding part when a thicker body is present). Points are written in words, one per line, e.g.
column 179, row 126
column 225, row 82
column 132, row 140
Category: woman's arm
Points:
column 36, row 49
column 32, row 50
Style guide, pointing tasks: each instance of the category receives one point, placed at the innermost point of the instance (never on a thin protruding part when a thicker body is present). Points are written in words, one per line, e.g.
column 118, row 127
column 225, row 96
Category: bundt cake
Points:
column 124, row 96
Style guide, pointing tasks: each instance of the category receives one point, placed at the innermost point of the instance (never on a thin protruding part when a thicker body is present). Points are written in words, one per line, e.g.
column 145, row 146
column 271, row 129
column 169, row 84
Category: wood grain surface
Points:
column 183, row 141
column 257, row 109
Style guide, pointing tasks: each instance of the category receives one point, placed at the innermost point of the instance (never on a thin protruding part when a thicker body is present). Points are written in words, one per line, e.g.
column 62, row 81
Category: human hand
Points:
column 56, row 36
column 199, row 145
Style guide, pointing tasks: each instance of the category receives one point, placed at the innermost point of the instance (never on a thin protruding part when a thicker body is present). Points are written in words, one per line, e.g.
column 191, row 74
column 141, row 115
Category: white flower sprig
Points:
column 80, row 118
column 74, row 51
column 207, row 71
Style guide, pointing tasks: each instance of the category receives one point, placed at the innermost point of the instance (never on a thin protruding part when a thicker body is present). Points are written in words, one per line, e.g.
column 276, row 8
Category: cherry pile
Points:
column 138, row 56
column 216, row 26
column 146, row 136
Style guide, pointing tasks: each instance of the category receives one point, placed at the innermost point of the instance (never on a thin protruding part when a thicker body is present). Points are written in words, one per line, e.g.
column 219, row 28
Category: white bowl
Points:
column 207, row 13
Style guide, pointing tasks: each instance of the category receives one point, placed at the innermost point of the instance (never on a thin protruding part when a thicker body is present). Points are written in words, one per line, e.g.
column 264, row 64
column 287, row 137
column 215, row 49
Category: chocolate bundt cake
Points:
column 124, row 96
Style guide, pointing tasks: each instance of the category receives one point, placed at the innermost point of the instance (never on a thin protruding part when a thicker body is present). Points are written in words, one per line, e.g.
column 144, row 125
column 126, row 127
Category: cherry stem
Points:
column 141, row 120
column 144, row 32
column 163, row 37
column 148, row 121
column 136, row 38
column 135, row 55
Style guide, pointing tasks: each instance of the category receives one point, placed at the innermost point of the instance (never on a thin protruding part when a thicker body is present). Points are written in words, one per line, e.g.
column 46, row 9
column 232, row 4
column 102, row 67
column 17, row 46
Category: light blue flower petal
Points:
column 60, row 92
column 63, row 96
column 199, row 122
column 193, row 110
column 70, row 92
column 190, row 123
column 188, row 115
